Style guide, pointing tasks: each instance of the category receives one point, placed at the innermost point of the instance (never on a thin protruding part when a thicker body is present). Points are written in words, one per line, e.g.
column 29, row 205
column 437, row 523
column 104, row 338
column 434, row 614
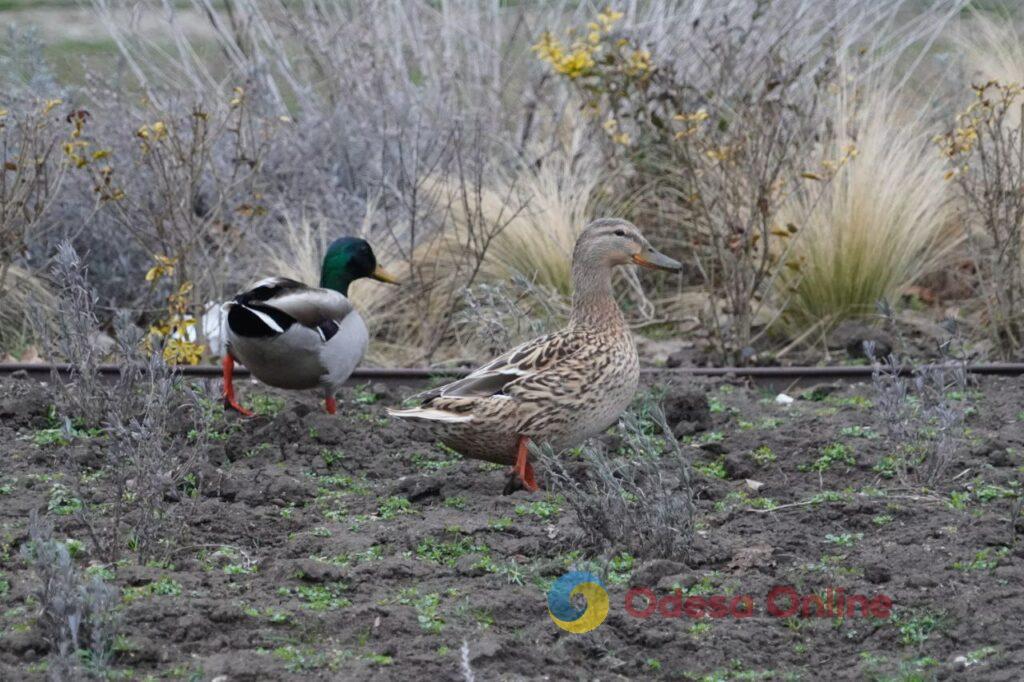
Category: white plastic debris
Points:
column 783, row 399
column 215, row 328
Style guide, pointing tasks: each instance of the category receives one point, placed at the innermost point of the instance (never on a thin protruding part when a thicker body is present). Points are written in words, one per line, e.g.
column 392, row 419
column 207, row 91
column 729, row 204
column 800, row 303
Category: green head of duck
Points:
column 348, row 259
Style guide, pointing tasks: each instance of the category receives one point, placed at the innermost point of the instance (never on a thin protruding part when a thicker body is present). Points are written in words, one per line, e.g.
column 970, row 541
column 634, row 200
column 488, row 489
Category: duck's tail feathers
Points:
column 431, row 415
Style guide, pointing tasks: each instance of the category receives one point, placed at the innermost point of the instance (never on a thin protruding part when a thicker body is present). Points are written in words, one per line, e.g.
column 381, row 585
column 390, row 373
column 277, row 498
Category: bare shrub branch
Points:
column 640, row 501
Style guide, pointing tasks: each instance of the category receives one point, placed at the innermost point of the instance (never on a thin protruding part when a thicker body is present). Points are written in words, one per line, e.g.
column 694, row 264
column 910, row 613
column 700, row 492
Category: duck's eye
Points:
column 620, row 233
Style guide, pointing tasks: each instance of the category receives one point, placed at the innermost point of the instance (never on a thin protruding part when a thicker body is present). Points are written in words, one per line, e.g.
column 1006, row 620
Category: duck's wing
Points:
column 271, row 306
column 521, row 363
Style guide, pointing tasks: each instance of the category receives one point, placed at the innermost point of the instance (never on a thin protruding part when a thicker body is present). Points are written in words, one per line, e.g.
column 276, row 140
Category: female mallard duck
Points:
column 561, row 388
column 294, row 336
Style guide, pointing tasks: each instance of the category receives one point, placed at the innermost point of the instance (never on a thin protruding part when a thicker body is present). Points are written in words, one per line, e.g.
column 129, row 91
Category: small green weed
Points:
column 715, row 469
column 266, row 405
column 164, row 587
column 763, row 456
column 984, row 560
column 393, row 506
column 542, row 509
column 836, row 453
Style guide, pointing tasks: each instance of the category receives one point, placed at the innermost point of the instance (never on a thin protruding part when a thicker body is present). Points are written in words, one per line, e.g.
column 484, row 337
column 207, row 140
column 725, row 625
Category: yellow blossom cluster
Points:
column 181, row 352
column 720, row 154
column 639, row 63
column 573, row 62
column 994, row 102
column 151, row 132
column 611, row 126
column 579, row 58
column 76, row 149
column 607, row 20
column 177, row 331
column 692, row 121
column 164, row 268
column 610, row 66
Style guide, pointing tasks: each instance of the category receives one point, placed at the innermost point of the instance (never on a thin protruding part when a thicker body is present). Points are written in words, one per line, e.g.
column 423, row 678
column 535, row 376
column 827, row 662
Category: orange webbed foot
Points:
column 522, row 472
column 229, row 388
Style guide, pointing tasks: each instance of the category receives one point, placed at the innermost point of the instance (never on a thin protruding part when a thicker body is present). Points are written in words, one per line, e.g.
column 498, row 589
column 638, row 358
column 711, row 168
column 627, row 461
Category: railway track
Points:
column 778, row 378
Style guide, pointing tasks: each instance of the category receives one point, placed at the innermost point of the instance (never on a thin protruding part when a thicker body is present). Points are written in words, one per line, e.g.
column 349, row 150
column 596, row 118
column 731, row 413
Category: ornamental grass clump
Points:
column 881, row 221
column 714, row 165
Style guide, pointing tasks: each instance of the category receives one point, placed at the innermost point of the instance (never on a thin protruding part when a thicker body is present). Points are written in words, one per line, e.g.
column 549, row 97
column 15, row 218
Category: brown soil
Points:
column 303, row 561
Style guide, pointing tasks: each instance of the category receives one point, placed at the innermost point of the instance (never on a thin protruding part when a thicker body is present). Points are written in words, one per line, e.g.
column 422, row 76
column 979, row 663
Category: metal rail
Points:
column 418, row 374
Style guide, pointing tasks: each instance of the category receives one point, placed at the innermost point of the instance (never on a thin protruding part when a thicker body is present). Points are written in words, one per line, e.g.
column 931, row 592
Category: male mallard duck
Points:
column 561, row 388
column 295, row 336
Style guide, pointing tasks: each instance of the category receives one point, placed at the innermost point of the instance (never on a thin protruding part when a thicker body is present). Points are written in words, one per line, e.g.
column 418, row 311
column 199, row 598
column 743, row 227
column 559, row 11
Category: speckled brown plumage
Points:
column 561, row 388
column 550, row 403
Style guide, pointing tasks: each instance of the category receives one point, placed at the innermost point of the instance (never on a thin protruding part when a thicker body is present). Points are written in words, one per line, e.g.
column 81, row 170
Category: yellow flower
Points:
column 622, row 138
column 49, row 104
column 698, row 116
column 549, row 49
column 239, row 96
column 72, row 149
column 112, row 194
column 639, row 63
column 164, row 267
column 610, row 125
column 576, row 64
column 159, row 329
column 695, row 119
column 609, row 18
column 177, row 351
column 572, row 64
column 720, row 154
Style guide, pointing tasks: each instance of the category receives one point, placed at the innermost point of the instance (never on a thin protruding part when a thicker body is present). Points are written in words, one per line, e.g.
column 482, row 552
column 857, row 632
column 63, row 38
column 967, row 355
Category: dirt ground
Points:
column 355, row 547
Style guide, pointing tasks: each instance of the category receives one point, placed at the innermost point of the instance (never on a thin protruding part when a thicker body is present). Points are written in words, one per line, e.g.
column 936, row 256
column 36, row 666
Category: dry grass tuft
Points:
column 24, row 300
column 882, row 222
column 992, row 48
column 542, row 209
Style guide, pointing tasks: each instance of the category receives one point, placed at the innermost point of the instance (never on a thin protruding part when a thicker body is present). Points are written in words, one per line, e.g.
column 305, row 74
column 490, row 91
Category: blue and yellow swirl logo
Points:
column 574, row 618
